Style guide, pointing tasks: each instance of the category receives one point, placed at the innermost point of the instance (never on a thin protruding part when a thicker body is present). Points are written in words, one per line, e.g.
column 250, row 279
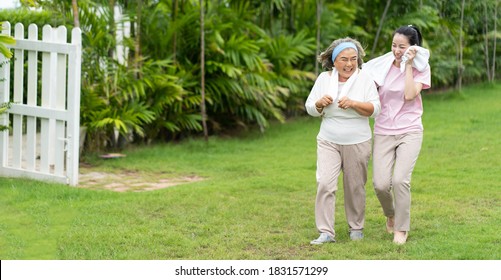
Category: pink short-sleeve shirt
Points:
column 399, row 116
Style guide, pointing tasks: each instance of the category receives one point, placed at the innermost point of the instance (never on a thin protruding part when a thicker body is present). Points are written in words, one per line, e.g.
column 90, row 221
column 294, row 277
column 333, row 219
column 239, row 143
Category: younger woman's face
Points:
column 399, row 45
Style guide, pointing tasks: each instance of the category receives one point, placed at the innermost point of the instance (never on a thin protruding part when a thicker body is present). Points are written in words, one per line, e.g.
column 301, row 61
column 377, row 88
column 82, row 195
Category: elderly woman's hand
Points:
column 345, row 103
column 363, row 108
column 325, row 101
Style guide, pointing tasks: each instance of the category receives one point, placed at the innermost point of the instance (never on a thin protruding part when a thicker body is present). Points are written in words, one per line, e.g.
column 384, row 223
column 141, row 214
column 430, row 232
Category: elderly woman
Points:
column 344, row 98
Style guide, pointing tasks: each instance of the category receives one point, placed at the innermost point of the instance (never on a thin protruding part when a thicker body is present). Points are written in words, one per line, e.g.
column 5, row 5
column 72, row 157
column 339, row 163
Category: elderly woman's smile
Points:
column 346, row 63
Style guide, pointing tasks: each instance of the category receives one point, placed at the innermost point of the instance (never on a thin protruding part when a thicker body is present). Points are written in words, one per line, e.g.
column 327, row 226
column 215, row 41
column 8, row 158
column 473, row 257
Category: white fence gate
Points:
column 44, row 140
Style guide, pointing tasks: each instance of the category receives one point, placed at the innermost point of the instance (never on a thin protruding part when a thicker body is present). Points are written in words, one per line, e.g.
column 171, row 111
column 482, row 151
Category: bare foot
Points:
column 390, row 223
column 400, row 237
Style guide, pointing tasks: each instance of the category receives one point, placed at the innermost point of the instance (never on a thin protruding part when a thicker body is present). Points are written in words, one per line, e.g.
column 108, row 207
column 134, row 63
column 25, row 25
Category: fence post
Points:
column 74, row 80
column 17, row 120
column 31, row 121
column 4, row 98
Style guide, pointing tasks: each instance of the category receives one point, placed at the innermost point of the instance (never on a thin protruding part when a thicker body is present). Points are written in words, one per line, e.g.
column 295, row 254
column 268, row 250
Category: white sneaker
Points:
column 356, row 235
column 323, row 238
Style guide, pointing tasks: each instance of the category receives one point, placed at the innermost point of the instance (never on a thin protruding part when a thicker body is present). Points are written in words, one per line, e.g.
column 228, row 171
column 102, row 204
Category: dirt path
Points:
column 122, row 181
column 130, row 181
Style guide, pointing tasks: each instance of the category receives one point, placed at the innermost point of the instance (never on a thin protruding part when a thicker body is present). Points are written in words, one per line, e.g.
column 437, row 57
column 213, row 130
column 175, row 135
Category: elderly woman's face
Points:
column 346, row 63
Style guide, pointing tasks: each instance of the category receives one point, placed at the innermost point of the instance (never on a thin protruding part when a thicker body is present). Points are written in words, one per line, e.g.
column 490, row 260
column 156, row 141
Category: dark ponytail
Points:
column 412, row 33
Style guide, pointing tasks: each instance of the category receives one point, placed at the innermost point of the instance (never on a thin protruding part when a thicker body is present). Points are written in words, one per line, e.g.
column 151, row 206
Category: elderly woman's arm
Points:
column 362, row 108
column 370, row 106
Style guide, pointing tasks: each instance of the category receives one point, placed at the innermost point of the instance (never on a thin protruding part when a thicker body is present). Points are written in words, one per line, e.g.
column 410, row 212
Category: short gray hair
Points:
column 325, row 57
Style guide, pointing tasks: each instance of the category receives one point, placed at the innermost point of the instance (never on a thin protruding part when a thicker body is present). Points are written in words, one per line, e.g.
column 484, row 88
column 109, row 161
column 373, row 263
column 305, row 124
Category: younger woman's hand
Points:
column 411, row 54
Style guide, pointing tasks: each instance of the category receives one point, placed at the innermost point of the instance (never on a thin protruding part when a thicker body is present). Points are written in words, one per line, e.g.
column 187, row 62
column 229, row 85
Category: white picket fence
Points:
column 44, row 140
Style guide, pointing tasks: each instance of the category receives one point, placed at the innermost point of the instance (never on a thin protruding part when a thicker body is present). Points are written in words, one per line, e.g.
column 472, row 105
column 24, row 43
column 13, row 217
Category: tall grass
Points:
column 257, row 198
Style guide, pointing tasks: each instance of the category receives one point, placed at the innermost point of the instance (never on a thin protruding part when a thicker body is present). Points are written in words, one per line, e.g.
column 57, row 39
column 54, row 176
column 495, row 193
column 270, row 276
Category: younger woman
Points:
column 398, row 131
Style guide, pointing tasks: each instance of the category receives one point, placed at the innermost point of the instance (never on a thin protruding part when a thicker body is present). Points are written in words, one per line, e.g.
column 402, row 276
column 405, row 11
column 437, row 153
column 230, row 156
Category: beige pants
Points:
column 393, row 161
column 331, row 160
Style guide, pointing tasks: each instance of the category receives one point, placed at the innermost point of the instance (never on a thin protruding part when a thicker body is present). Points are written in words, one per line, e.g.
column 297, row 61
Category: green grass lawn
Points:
column 257, row 198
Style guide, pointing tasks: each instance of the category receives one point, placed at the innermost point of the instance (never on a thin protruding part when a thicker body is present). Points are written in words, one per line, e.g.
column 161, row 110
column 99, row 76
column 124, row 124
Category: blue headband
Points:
column 339, row 48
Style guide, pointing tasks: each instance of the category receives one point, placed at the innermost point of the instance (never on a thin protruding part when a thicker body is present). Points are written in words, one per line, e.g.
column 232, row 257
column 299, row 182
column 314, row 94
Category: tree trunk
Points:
column 271, row 18
column 112, row 27
column 460, row 66
column 174, row 39
column 493, row 71
column 202, row 72
column 379, row 28
column 74, row 7
column 137, row 40
column 486, row 43
column 319, row 13
column 182, row 7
